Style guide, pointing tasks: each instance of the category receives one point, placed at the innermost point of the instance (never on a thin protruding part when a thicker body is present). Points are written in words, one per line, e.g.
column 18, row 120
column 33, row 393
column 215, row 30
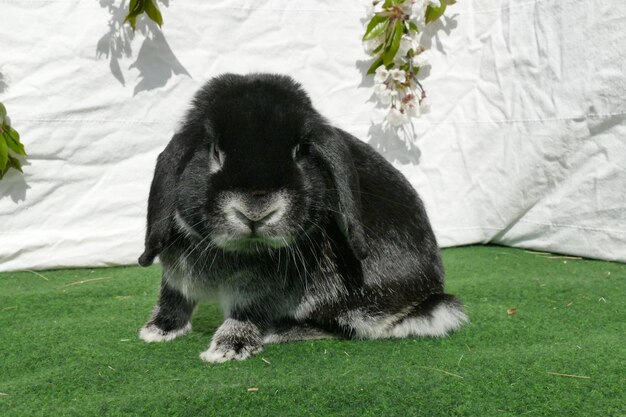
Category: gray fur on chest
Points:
column 269, row 293
column 270, row 290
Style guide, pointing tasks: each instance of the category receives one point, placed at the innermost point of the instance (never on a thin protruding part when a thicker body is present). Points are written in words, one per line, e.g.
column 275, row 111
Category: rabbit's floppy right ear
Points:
column 339, row 163
column 162, row 199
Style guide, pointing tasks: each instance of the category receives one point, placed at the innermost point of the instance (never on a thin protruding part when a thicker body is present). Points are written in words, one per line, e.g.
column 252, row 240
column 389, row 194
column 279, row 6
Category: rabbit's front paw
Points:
column 234, row 340
column 151, row 333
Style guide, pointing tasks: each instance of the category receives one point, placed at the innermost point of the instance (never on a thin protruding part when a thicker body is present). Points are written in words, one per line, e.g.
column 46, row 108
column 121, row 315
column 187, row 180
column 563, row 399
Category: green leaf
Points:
column 375, row 64
column 4, row 152
column 377, row 49
column 153, row 12
column 434, row 13
column 15, row 163
column 3, row 112
column 132, row 20
column 377, row 30
column 387, row 4
column 135, row 8
column 372, row 24
column 13, row 142
column 413, row 27
column 391, row 51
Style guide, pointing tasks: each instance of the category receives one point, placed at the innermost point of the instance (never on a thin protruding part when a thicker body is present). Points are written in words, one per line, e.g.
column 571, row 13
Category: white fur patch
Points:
column 443, row 319
column 184, row 226
column 368, row 327
column 306, row 307
column 152, row 333
column 273, row 338
column 276, row 206
column 216, row 354
column 296, row 335
column 236, row 243
column 215, row 164
column 270, row 210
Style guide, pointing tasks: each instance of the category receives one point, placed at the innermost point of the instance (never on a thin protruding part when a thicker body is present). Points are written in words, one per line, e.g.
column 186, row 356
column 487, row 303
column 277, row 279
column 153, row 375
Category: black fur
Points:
column 338, row 238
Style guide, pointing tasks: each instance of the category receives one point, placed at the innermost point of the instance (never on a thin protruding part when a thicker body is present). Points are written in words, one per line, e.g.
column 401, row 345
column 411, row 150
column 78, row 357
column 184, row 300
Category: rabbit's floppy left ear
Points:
column 335, row 152
column 162, row 199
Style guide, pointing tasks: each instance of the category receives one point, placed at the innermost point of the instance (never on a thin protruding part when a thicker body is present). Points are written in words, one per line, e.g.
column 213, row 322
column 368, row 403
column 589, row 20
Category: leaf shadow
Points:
column 389, row 143
column 433, row 31
column 156, row 62
column 362, row 66
column 116, row 43
column 14, row 184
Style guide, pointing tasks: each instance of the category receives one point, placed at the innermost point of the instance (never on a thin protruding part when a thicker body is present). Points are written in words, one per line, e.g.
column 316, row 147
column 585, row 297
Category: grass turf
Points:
column 69, row 346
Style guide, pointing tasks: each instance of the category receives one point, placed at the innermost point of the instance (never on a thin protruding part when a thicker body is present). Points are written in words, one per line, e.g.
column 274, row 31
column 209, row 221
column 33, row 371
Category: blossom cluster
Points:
column 392, row 37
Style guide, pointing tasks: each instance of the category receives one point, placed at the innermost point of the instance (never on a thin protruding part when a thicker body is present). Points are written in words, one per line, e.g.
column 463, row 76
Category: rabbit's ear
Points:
column 162, row 199
column 335, row 152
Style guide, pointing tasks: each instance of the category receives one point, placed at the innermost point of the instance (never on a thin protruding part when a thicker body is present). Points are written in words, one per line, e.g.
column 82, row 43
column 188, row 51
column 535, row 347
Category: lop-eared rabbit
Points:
column 300, row 230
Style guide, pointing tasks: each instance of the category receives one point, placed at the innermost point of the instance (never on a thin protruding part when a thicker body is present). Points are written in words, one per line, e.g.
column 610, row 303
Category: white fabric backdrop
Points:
column 525, row 144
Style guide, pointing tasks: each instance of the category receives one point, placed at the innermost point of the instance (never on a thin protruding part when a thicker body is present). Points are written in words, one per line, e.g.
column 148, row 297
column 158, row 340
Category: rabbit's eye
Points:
column 217, row 154
column 300, row 150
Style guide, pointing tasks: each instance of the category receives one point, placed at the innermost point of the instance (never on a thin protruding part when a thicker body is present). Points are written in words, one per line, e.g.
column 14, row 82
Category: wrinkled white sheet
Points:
column 525, row 144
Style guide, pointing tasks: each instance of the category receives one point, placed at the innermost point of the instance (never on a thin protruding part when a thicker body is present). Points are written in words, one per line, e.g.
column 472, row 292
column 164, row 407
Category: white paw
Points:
column 222, row 353
column 151, row 333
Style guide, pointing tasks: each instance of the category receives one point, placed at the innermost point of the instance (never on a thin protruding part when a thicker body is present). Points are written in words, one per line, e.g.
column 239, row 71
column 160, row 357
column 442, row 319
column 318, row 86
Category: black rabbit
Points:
column 300, row 230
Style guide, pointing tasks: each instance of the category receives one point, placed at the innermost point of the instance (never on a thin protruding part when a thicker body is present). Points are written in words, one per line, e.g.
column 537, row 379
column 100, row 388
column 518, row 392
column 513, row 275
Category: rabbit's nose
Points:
column 254, row 220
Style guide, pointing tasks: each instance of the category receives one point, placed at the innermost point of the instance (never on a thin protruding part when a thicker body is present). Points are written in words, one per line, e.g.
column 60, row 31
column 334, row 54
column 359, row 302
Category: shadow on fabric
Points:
column 3, row 84
column 156, row 62
column 14, row 185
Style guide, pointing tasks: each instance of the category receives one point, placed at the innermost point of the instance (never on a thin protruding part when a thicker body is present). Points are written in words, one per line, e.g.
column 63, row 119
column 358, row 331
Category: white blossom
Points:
column 396, row 117
column 413, row 111
column 395, row 87
column 406, row 44
column 416, row 37
column 425, row 105
column 370, row 45
column 422, row 59
column 418, row 9
column 383, row 93
column 398, row 75
column 381, row 75
column 409, row 98
column 406, row 7
column 410, row 104
column 418, row 15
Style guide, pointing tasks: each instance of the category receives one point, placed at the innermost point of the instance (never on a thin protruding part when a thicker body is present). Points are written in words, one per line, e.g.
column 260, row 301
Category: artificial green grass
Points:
column 71, row 348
